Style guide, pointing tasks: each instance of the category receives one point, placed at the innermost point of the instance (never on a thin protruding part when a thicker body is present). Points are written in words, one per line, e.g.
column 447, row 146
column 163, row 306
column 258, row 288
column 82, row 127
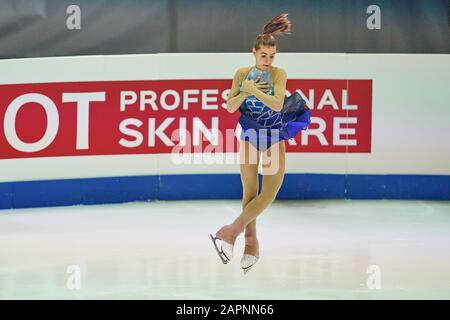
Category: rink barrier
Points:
column 395, row 151
column 47, row 193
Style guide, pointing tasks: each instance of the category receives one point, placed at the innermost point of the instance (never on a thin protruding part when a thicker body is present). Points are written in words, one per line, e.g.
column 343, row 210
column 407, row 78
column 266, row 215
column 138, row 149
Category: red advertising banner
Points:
column 146, row 117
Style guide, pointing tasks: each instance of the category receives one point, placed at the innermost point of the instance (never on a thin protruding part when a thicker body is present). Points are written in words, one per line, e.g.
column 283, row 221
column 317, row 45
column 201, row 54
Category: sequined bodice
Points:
column 257, row 110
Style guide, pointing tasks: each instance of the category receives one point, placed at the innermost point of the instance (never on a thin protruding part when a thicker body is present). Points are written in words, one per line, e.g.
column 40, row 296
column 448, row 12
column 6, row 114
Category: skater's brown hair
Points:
column 280, row 25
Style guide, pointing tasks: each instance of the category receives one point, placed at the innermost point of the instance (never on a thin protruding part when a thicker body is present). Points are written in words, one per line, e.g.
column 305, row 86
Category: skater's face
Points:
column 264, row 57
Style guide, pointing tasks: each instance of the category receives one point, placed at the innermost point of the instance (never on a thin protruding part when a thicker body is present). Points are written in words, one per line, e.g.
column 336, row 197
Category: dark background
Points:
column 36, row 28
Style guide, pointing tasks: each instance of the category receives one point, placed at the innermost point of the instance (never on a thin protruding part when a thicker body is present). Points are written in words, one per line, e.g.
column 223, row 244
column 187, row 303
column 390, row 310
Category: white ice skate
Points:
column 248, row 261
column 226, row 250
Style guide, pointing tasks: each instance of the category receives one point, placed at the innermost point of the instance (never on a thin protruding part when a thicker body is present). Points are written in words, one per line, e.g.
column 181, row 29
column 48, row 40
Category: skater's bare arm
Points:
column 236, row 97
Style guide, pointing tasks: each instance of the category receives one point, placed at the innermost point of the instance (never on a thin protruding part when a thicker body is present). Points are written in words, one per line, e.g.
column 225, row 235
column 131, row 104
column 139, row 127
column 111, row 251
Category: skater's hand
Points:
column 248, row 86
column 263, row 86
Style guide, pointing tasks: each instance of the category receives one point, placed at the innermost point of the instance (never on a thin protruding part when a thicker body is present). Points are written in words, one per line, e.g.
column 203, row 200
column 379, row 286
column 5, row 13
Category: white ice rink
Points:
column 321, row 249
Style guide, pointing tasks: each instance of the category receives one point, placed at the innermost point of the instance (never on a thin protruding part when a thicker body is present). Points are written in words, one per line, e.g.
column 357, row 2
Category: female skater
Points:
column 267, row 119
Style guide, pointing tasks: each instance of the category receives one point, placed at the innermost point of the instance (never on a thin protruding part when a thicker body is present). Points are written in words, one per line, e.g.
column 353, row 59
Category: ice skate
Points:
column 225, row 252
column 248, row 261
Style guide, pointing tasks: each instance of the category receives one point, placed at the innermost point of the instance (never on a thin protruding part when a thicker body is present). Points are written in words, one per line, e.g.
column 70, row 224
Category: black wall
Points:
column 34, row 28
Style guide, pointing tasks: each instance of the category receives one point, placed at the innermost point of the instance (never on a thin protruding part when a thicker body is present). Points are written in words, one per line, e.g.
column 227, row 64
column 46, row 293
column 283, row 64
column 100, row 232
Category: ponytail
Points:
column 280, row 25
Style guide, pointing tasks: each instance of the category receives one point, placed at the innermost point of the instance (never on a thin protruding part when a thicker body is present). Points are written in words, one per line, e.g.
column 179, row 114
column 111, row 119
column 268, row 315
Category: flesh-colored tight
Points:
column 253, row 203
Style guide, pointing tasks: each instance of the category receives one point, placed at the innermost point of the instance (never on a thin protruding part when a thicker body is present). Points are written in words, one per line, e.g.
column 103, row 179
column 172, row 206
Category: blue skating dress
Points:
column 262, row 126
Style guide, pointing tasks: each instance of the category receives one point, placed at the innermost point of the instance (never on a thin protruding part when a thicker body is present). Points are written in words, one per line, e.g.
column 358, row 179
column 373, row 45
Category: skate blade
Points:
column 221, row 254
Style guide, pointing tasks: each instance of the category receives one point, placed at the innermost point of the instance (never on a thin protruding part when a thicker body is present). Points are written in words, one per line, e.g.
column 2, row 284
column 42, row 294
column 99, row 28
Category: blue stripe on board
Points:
column 47, row 193
column 218, row 186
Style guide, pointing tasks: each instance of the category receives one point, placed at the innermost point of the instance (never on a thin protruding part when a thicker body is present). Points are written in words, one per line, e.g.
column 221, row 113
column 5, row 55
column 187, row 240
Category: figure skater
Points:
column 268, row 118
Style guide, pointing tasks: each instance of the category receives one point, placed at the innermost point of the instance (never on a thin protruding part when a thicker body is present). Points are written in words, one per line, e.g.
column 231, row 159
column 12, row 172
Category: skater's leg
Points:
column 249, row 161
column 273, row 175
column 249, row 178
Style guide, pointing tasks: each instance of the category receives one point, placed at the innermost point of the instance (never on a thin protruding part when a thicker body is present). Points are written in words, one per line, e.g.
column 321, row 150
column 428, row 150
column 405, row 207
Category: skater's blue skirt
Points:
column 295, row 116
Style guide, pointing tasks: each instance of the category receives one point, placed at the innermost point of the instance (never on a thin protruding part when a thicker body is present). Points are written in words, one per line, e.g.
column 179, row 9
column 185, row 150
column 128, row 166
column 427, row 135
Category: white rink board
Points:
column 410, row 110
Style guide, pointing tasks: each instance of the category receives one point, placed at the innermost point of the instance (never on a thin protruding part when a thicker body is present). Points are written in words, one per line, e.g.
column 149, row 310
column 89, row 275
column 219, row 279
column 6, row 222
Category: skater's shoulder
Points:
column 278, row 71
column 243, row 71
